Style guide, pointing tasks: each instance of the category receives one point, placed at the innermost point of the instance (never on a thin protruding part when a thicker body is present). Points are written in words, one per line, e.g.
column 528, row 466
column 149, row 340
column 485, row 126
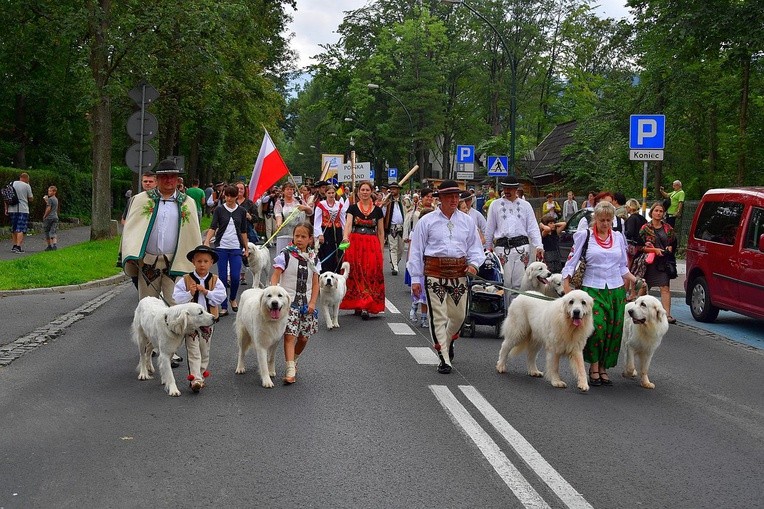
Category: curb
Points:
column 113, row 280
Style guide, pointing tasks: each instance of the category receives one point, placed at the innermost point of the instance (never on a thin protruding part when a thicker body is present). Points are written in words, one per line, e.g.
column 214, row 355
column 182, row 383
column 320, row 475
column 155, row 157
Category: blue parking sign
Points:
column 647, row 132
column 465, row 153
column 392, row 173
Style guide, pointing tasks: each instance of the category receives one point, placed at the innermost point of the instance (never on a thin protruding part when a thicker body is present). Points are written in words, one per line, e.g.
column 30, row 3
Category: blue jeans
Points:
column 229, row 258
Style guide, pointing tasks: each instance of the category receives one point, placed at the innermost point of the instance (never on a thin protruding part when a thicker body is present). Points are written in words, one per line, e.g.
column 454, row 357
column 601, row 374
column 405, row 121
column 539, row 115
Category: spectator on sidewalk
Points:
column 50, row 219
column 19, row 213
column 569, row 206
column 676, row 197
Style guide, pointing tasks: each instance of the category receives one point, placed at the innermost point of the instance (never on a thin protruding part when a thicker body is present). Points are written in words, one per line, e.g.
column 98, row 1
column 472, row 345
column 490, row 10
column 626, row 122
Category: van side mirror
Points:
column 761, row 242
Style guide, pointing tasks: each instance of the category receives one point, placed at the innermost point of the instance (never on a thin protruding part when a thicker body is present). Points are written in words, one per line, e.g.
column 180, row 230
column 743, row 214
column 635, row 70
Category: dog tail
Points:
column 345, row 268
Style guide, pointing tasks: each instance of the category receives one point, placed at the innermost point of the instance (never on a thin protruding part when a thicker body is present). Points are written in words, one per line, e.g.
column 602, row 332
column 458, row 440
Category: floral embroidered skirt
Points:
column 366, row 285
column 604, row 344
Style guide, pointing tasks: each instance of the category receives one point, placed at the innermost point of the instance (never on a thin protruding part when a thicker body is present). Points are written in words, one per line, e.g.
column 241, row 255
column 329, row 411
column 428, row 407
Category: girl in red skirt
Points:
column 365, row 232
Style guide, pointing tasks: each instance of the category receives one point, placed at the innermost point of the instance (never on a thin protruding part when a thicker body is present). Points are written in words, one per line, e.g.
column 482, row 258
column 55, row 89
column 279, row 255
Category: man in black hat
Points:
column 445, row 247
column 160, row 228
column 394, row 216
column 511, row 230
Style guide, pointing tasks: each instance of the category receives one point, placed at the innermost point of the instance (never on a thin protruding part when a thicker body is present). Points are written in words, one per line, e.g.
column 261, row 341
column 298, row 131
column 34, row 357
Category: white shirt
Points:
column 163, row 239
column 437, row 235
column 604, row 267
column 511, row 219
column 333, row 210
column 397, row 217
column 215, row 297
column 480, row 221
column 230, row 239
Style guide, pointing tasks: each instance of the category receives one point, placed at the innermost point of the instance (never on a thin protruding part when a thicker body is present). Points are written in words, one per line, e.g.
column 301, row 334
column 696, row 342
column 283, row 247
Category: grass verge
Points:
column 71, row 265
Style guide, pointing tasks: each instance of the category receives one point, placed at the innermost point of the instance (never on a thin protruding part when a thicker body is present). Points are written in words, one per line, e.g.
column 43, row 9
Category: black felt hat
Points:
column 448, row 187
column 510, row 182
column 168, row 167
column 202, row 249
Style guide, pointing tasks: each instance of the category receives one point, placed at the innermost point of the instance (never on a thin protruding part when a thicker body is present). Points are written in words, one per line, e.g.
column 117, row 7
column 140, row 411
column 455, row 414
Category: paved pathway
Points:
column 36, row 243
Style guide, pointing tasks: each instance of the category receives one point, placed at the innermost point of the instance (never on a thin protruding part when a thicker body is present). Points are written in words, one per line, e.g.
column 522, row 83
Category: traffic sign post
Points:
column 142, row 127
column 498, row 166
column 392, row 175
column 647, row 139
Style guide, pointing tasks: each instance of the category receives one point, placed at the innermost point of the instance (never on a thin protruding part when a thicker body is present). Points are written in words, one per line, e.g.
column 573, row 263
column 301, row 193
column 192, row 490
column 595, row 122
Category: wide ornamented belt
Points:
column 444, row 267
column 511, row 242
column 364, row 230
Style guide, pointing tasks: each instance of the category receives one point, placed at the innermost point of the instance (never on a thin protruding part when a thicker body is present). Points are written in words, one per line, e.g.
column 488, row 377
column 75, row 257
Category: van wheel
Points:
column 700, row 301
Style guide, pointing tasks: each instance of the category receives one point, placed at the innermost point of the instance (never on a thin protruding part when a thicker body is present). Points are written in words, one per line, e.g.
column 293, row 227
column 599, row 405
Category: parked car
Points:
column 566, row 235
column 725, row 254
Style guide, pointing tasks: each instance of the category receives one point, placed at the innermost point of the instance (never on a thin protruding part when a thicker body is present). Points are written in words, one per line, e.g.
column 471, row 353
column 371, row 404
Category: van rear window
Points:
column 719, row 222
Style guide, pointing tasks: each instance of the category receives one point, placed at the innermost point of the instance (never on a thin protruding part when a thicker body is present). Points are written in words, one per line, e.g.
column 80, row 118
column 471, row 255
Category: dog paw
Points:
column 501, row 367
column 268, row 383
column 336, row 325
column 647, row 385
column 272, row 373
column 173, row 392
column 536, row 374
column 559, row 384
column 241, row 371
column 144, row 377
column 584, row 387
column 629, row 374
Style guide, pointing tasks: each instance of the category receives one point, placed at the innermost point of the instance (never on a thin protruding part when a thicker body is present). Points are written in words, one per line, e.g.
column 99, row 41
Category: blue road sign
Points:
column 371, row 174
column 647, row 132
column 465, row 153
column 498, row 166
column 392, row 173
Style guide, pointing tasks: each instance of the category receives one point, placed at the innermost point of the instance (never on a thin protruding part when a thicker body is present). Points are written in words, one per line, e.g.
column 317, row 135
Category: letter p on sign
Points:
column 647, row 132
column 646, row 128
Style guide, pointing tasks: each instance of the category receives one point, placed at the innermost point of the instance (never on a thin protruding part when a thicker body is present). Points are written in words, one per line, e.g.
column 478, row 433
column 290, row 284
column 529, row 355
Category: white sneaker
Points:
column 413, row 314
column 424, row 323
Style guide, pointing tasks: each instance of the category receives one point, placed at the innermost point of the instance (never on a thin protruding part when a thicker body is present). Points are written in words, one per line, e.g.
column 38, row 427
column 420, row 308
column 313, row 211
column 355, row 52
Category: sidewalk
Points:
column 36, row 243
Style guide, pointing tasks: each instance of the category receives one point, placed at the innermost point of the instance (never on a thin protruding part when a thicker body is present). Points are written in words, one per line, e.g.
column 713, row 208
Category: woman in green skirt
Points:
column 606, row 273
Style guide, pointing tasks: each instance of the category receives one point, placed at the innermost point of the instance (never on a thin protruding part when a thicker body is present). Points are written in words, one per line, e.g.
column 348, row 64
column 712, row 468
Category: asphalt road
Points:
column 366, row 425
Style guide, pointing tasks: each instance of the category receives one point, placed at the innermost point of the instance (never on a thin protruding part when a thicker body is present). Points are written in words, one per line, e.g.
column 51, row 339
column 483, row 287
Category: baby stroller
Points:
column 485, row 297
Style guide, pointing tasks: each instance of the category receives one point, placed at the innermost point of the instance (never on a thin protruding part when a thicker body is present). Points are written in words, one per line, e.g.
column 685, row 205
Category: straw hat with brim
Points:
column 466, row 195
column 202, row 249
column 448, row 187
column 168, row 167
column 510, row 182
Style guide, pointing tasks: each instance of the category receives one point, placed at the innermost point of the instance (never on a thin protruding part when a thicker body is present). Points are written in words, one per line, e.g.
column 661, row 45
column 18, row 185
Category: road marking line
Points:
column 569, row 496
column 401, row 329
column 498, row 460
column 391, row 308
column 423, row 355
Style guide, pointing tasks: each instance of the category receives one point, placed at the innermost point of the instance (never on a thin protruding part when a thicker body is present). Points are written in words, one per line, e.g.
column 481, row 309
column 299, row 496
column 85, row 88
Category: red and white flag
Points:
column 269, row 168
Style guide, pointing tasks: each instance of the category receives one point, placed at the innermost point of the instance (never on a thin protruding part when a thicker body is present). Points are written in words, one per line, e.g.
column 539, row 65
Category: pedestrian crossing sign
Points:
column 497, row 166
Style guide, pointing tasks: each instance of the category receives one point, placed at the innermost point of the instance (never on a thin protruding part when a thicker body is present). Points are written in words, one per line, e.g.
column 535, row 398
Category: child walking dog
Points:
column 296, row 269
column 207, row 290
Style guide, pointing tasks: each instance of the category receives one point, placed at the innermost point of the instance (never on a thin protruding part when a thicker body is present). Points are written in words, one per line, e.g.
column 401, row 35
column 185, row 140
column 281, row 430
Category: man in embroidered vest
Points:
column 394, row 214
column 160, row 229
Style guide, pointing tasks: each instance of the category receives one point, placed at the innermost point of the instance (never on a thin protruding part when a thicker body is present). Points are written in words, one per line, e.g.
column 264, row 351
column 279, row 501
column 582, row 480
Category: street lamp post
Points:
column 374, row 86
column 512, row 82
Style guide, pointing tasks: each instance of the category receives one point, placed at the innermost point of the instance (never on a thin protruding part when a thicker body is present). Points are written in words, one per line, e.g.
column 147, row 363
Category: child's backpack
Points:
column 9, row 194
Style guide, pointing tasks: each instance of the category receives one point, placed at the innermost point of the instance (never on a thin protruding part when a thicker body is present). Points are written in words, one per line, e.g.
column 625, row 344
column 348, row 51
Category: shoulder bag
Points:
column 577, row 280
